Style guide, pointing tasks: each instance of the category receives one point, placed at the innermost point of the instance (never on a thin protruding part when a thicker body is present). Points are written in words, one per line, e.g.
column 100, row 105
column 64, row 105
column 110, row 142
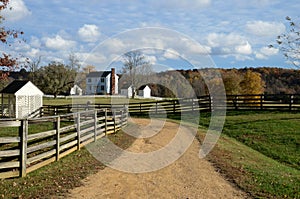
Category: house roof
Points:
column 126, row 86
column 142, row 87
column 14, row 86
column 98, row 74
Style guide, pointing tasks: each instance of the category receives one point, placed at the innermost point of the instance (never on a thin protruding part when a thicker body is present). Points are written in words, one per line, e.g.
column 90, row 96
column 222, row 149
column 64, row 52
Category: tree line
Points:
column 57, row 79
column 268, row 80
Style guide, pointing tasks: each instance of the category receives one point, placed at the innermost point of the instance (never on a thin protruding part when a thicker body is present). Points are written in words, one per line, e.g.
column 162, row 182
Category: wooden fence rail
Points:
column 202, row 103
column 28, row 144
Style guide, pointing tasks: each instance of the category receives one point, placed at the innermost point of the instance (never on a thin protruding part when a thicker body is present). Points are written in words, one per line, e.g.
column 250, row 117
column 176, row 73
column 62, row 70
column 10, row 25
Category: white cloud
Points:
column 269, row 51
column 264, row 28
column 244, row 49
column 93, row 58
column 33, row 53
column 225, row 44
column 266, row 52
column 35, row 42
column 198, row 48
column 58, row 43
column 20, row 46
column 18, row 11
column 259, row 55
column 89, row 33
column 242, row 57
column 113, row 45
column 254, row 3
column 158, row 43
column 179, row 4
column 151, row 59
column 219, row 40
column 171, row 54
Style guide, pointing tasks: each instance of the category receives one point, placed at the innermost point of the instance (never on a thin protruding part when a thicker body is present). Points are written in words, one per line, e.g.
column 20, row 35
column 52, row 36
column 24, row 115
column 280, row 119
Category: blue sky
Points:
column 232, row 33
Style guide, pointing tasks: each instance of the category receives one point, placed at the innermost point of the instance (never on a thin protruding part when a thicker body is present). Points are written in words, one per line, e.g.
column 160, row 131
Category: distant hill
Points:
column 276, row 80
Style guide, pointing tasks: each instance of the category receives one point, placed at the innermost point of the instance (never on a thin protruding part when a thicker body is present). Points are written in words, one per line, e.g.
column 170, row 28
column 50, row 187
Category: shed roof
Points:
column 22, row 87
column 143, row 87
column 14, row 86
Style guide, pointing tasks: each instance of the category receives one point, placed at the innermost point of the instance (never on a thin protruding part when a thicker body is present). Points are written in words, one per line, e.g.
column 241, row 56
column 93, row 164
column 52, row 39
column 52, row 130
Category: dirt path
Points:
column 188, row 177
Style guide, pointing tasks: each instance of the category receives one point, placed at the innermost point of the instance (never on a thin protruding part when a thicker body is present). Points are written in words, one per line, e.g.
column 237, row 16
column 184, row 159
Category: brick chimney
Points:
column 113, row 82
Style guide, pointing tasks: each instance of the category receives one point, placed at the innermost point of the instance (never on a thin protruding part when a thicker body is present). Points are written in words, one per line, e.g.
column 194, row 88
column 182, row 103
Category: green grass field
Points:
column 257, row 151
column 260, row 152
column 97, row 100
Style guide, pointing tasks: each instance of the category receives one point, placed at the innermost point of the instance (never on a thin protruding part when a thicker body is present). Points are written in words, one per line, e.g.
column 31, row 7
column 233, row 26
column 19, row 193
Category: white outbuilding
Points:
column 20, row 99
column 127, row 92
column 75, row 90
column 145, row 91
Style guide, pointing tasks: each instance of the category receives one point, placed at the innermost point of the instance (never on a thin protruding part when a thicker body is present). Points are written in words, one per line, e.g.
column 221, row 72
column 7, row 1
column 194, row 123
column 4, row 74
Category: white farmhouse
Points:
column 20, row 99
column 102, row 83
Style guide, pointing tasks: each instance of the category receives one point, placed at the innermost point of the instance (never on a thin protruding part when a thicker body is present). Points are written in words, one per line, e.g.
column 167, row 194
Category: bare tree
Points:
column 135, row 65
column 35, row 64
column 289, row 42
column 33, row 67
column 74, row 62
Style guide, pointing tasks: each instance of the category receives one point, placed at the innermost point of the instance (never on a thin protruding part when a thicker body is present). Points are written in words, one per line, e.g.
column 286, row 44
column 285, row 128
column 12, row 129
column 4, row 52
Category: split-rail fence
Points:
column 29, row 144
column 281, row 102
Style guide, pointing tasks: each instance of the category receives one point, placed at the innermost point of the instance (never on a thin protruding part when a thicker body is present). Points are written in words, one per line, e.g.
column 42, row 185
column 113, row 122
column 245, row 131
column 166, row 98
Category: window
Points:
column 89, row 80
column 102, row 79
column 102, row 88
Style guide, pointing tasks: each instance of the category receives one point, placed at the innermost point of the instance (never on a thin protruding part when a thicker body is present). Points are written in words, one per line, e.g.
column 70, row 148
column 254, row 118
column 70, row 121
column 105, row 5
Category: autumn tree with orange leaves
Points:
column 7, row 63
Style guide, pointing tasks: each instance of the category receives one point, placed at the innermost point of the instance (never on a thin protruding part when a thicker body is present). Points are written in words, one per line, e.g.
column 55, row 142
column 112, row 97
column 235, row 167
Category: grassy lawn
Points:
column 253, row 172
column 257, row 151
column 56, row 178
column 260, row 152
column 274, row 135
column 97, row 100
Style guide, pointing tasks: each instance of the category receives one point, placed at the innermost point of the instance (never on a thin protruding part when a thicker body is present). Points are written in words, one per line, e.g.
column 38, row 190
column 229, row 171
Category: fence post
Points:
column 23, row 132
column 291, row 102
column 235, row 102
column 121, row 120
column 69, row 108
column 105, row 121
column 114, row 118
column 78, row 131
column 210, row 102
column 41, row 111
column 57, row 126
column 261, row 101
column 125, row 116
column 192, row 104
column 174, row 108
column 95, row 125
